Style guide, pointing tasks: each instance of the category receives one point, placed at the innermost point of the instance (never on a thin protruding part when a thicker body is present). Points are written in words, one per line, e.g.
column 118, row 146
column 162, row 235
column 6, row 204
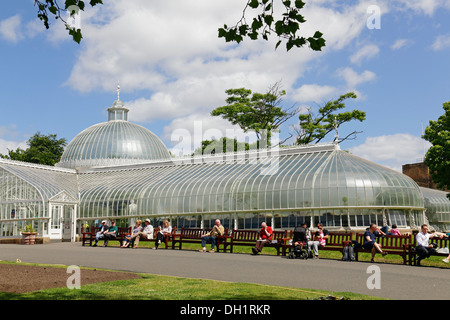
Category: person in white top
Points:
column 424, row 248
column 146, row 233
column 164, row 232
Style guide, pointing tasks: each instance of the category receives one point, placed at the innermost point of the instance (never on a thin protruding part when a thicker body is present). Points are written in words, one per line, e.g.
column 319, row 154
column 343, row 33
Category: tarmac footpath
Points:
column 393, row 281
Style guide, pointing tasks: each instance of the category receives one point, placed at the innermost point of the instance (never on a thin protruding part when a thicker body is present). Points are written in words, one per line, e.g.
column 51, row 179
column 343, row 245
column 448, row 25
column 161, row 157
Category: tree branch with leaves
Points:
column 314, row 128
column 48, row 8
column 260, row 112
column 286, row 28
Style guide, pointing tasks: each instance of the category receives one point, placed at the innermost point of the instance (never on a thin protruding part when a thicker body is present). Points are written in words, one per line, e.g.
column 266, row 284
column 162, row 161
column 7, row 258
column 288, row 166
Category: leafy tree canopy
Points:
column 259, row 112
column 313, row 128
column 41, row 149
column 437, row 157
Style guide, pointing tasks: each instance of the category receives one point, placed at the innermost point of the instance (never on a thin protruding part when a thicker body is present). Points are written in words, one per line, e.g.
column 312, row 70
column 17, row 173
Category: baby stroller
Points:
column 301, row 250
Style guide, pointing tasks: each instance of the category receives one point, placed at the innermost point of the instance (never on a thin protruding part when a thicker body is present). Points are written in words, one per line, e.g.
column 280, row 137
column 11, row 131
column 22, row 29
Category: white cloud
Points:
column 185, row 134
column 427, row 7
column 401, row 43
column 392, row 151
column 172, row 51
column 441, row 43
column 10, row 29
column 6, row 145
column 313, row 93
column 353, row 79
column 11, row 138
column 367, row 52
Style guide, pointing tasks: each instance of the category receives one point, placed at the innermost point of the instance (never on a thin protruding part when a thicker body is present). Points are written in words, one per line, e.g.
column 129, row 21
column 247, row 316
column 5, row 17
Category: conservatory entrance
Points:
column 62, row 210
column 61, row 222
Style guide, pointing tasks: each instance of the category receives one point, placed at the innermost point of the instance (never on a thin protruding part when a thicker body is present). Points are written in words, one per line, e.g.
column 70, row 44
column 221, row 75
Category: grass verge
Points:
column 155, row 287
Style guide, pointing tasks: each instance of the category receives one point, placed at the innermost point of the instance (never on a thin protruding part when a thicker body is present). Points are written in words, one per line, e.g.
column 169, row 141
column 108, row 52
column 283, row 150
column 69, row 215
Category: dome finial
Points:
column 118, row 90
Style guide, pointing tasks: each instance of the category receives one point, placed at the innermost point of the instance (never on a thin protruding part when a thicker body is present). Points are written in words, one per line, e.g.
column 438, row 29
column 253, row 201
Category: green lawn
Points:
column 155, row 287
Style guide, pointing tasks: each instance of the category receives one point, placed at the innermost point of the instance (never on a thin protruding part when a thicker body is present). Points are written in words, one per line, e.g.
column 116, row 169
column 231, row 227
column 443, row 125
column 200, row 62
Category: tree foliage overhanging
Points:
column 437, row 157
column 286, row 25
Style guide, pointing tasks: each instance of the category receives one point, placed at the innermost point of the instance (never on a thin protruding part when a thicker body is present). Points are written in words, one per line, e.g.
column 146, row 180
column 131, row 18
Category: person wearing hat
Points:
column 146, row 233
column 101, row 233
column 111, row 233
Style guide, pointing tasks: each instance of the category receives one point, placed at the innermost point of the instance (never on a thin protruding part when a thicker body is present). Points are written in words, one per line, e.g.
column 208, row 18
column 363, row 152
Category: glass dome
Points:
column 114, row 142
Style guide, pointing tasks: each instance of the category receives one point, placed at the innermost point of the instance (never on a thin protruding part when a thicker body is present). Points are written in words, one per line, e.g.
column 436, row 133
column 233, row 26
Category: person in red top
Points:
column 265, row 236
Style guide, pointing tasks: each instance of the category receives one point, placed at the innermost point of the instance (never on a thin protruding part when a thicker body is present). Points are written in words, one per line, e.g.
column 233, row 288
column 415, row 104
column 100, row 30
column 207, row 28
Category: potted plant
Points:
column 29, row 234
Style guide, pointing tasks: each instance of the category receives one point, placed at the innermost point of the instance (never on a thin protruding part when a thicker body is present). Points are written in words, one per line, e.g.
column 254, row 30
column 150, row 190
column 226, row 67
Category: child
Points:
column 394, row 231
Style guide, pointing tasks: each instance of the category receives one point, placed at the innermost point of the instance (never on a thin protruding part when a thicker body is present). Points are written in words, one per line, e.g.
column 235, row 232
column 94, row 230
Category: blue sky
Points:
column 173, row 70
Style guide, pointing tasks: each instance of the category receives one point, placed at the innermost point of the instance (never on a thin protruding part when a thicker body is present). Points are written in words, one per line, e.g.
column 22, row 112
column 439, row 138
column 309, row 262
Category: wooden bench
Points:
column 155, row 232
column 335, row 241
column 194, row 235
column 89, row 235
column 248, row 238
column 398, row 245
column 441, row 243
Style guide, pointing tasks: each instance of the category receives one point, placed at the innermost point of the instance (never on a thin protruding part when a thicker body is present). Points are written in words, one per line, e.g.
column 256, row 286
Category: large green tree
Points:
column 222, row 145
column 259, row 112
column 314, row 128
column 437, row 157
column 42, row 149
column 285, row 25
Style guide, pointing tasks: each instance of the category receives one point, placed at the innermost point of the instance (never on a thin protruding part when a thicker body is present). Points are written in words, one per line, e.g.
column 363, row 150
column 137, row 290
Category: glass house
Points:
column 119, row 170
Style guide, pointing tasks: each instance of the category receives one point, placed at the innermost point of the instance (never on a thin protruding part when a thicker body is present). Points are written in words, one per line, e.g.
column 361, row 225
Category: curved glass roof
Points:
column 295, row 179
column 114, row 142
column 47, row 181
column 438, row 206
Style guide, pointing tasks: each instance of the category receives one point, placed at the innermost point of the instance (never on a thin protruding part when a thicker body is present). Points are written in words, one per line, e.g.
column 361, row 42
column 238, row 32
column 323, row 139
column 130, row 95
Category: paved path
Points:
column 396, row 281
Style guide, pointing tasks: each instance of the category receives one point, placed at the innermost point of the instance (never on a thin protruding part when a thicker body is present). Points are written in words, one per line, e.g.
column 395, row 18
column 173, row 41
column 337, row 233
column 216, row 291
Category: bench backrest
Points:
column 123, row 230
column 388, row 241
column 442, row 243
column 338, row 238
column 195, row 233
column 252, row 235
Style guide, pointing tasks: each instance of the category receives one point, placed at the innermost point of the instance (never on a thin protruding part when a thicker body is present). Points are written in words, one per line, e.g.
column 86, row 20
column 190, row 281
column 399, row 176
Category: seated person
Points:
column 166, row 230
column 265, row 236
column 128, row 239
column 424, row 249
column 101, row 233
column 320, row 240
column 146, row 233
column 211, row 236
column 111, row 233
column 370, row 240
column 394, row 231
